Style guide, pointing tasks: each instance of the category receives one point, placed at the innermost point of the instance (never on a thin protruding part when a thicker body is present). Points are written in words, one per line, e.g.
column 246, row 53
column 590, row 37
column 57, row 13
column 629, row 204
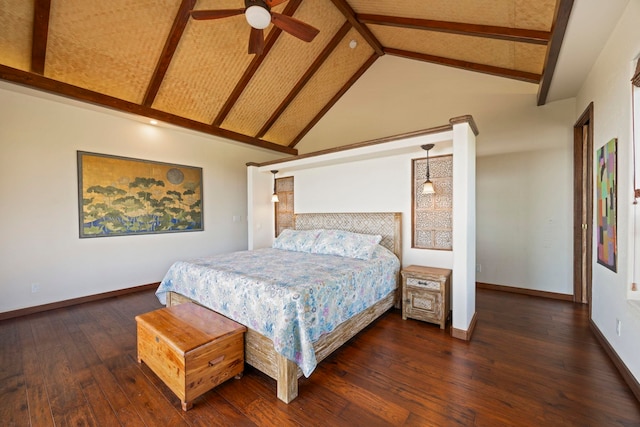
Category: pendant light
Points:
column 274, row 196
column 427, row 187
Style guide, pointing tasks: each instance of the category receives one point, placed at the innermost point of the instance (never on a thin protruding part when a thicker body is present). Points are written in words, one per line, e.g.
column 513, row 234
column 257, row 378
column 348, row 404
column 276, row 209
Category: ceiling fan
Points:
column 259, row 15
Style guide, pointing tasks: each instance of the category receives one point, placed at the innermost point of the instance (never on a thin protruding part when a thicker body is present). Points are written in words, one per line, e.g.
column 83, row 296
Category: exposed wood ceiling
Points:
column 149, row 57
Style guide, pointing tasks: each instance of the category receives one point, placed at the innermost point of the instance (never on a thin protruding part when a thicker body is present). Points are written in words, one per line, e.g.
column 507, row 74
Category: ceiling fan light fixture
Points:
column 258, row 17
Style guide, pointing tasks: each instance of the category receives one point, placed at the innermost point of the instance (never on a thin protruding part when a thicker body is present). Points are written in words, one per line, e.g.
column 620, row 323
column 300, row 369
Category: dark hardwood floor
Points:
column 531, row 362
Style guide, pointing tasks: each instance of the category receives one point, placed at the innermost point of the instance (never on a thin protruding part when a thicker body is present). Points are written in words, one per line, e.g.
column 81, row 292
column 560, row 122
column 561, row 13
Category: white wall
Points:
column 372, row 185
column 39, row 137
column 609, row 87
column 525, row 221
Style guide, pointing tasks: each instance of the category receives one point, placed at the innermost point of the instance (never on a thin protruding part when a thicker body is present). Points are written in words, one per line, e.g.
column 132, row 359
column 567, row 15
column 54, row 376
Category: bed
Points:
column 268, row 342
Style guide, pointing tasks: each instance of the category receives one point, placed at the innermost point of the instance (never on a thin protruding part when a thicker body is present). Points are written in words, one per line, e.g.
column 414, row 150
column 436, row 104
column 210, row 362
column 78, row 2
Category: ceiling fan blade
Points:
column 274, row 3
column 296, row 28
column 215, row 14
column 256, row 41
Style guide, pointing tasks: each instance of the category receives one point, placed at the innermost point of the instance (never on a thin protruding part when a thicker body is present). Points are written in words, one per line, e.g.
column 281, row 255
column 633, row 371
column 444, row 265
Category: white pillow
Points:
column 346, row 244
column 296, row 240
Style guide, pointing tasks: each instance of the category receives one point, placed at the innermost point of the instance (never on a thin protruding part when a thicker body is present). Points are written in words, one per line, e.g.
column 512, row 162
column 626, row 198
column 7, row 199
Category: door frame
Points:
column 583, row 206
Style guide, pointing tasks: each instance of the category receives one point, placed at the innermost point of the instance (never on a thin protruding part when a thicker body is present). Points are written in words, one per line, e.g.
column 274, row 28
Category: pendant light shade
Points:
column 274, row 196
column 427, row 187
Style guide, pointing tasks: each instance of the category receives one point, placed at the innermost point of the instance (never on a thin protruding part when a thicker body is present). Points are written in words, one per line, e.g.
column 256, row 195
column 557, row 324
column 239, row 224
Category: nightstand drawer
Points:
column 423, row 283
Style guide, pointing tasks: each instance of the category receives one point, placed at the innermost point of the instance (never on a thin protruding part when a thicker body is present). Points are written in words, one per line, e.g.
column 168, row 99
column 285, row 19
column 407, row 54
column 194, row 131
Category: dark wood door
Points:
column 583, row 206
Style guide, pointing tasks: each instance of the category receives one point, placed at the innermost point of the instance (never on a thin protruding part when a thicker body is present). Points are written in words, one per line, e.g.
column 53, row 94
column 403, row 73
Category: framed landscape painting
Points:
column 606, row 177
column 119, row 196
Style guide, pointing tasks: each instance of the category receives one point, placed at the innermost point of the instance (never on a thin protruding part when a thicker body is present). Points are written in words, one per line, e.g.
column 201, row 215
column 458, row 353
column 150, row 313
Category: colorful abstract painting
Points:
column 122, row 196
column 607, row 200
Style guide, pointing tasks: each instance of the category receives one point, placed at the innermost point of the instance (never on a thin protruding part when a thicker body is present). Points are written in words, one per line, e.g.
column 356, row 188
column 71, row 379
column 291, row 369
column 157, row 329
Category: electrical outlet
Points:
column 618, row 327
column 35, row 287
column 478, row 268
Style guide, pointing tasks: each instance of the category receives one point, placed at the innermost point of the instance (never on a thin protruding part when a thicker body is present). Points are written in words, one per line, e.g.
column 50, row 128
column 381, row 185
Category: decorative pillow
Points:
column 346, row 244
column 296, row 240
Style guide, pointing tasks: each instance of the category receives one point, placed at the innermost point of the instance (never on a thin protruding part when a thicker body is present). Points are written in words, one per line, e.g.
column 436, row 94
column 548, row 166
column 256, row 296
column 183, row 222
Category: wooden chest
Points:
column 192, row 349
column 426, row 294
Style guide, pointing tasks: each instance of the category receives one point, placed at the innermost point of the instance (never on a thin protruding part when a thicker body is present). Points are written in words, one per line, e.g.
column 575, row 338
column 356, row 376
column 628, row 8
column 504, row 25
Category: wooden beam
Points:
column 335, row 99
column 349, row 13
column 465, row 29
column 74, row 92
column 469, row 66
column 560, row 22
column 41, row 10
column 342, row 32
column 179, row 24
column 242, row 84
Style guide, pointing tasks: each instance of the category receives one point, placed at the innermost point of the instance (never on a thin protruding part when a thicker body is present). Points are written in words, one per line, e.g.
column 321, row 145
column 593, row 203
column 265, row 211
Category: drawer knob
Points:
column 420, row 282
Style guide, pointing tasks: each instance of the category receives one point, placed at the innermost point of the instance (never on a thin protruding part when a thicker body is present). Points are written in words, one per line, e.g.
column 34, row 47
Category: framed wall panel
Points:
column 432, row 222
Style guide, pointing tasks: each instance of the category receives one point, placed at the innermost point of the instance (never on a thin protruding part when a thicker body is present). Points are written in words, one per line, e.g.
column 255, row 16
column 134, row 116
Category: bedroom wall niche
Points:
column 432, row 219
column 378, row 178
column 284, row 208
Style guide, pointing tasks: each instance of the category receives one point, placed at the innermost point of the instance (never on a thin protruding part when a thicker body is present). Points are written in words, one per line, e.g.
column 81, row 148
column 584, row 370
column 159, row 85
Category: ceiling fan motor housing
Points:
column 257, row 13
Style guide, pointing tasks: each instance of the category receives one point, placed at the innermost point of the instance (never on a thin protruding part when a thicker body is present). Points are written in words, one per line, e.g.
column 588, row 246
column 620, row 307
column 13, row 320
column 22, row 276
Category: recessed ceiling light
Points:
column 153, row 122
column 353, row 44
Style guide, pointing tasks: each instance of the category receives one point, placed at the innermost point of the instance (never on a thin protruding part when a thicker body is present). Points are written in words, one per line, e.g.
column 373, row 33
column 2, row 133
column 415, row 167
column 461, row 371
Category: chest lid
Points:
column 188, row 326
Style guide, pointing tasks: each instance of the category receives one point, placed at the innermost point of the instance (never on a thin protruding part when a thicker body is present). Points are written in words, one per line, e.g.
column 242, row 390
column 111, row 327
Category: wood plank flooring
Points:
column 531, row 362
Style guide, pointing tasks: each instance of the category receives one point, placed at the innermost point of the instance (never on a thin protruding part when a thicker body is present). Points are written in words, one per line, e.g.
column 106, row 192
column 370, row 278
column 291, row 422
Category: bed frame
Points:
column 259, row 351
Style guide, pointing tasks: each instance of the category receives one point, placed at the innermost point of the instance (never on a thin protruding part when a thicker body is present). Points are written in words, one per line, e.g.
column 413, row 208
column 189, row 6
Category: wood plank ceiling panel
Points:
column 479, row 50
column 507, row 13
column 16, row 29
column 209, row 60
column 330, row 79
column 108, row 47
column 286, row 63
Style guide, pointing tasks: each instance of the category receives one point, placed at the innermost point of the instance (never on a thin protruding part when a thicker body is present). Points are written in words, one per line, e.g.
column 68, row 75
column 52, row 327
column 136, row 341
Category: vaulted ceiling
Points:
column 151, row 58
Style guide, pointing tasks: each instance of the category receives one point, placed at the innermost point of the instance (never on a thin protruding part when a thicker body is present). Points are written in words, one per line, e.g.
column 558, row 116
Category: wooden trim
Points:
column 335, row 99
column 465, row 65
column 430, row 131
column 626, row 374
column 466, row 119
column 560, row 20
column 253, row 66
column 580, row 187
column 519, row 35
column 523, row 291
column 74, row 301
column 335, row 41
column 350, row 14
column 41, row 10
column 465, row 335
column 170, row 46
column 36, row 81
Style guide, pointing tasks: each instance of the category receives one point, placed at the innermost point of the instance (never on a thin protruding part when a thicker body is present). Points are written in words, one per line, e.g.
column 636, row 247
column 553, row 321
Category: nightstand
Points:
column 426, row 294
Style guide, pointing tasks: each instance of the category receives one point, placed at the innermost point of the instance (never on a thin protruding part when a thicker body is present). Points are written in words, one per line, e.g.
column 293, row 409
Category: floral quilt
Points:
column 293, row 298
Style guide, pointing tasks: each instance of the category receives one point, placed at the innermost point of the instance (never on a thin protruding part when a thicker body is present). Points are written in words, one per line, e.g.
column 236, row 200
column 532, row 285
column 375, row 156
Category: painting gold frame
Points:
column 120, row 196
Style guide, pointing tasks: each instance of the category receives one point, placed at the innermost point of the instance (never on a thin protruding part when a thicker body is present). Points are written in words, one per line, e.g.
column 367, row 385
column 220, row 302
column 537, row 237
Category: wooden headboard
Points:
column 386, row 224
